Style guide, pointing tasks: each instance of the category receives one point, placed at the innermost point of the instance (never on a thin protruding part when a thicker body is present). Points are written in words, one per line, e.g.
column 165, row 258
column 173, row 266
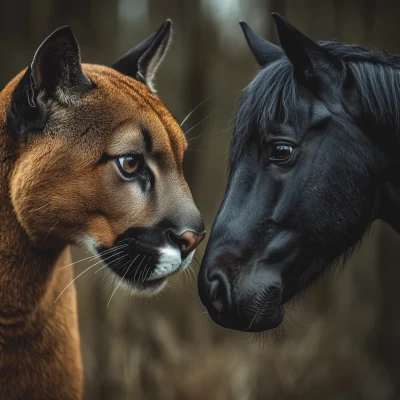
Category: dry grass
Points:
column 169, row 349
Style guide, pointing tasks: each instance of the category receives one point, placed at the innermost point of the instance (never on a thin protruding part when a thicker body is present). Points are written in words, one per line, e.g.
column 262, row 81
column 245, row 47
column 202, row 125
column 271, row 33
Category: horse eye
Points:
column 128, row 165
column 280, row 152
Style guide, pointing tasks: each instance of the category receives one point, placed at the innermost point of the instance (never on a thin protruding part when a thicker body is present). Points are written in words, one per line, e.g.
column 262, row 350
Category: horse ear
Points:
column 142, row 62
column 308, row 58
column 264, row 51
column 56, row 67
column 54, row 76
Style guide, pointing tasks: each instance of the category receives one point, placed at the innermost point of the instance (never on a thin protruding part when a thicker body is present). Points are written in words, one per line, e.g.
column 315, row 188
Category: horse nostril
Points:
column 220, row 293
column 186, row 242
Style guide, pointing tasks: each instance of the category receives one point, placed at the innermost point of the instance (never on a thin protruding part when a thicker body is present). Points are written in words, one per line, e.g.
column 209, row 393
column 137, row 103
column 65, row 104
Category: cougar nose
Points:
column 187, row 241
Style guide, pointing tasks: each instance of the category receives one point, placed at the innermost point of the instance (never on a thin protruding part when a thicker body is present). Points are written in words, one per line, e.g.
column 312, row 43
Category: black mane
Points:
column 273, row 94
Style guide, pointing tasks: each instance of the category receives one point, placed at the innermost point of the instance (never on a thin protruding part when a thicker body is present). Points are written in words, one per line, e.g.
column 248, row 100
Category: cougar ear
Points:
column 55, row 74
column 264, row 51
column 56, row 67
column 142, row 62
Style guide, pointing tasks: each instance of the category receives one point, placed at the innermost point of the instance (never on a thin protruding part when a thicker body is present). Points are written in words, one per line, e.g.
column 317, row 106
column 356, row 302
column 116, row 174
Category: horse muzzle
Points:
column 242, row 298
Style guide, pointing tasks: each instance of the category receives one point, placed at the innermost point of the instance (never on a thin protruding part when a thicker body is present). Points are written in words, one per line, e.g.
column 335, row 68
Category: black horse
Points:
column 315, row 159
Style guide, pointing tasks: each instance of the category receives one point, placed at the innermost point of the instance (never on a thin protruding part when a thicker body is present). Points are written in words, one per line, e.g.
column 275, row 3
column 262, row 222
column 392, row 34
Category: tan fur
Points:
column 53, row 192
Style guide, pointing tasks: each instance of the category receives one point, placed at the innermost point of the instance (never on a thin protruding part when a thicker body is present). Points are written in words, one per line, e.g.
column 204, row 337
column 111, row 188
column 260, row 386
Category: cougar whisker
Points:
column 119, row 284
column 93, row 257
column 194, row 109
column 87, row 269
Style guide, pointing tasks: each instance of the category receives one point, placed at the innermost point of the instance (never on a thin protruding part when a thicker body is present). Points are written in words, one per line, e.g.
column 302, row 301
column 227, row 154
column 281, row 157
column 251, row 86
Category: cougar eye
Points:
column 128, row 165
column 280, row 152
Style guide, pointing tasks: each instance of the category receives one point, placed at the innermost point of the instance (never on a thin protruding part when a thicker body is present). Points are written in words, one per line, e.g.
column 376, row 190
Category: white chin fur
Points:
column 169, row 263
column 86, row 241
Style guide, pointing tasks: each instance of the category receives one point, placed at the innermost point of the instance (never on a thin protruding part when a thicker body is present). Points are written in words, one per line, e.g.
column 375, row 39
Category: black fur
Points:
column 55, row 75
column 23, row 115
column 138, row 248
column 57, row 65
column 264, row 51
column 142, row 61
column 273, row 94
column 287, row 223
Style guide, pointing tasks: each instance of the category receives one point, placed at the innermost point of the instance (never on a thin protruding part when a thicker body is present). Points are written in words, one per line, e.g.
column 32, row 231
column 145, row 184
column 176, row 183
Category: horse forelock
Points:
column 273, row 95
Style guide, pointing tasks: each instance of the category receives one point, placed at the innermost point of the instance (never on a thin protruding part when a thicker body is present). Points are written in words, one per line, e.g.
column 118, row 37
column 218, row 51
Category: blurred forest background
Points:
column 343, row 340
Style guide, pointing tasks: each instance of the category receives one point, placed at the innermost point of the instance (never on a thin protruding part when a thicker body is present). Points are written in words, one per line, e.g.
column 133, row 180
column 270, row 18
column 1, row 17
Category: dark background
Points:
column 342, row 341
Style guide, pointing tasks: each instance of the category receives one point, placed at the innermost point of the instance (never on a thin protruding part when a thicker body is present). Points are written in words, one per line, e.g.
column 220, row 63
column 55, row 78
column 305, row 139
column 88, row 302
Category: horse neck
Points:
column 389, row 210
column 31, row 323
column 380, row 99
